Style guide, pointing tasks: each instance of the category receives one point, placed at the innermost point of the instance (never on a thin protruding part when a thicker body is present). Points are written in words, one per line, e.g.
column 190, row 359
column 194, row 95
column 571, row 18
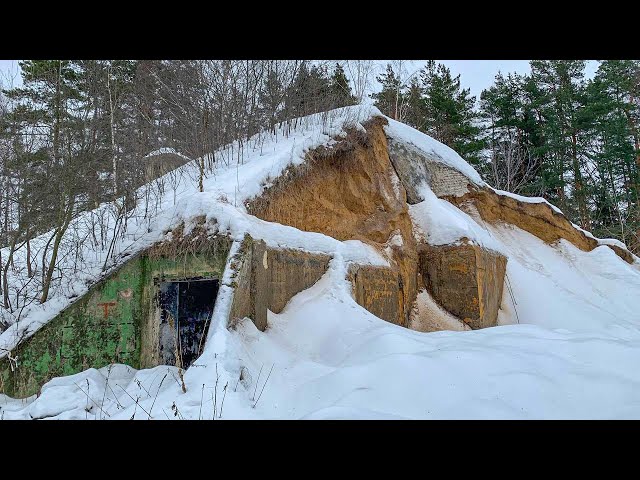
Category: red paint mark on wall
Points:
column 126, row 293
column 105, row 306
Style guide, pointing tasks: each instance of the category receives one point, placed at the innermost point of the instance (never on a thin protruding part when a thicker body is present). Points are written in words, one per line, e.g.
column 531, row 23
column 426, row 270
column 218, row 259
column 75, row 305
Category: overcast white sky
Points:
column 9, row 69
column 479, row 74
column 474, row 74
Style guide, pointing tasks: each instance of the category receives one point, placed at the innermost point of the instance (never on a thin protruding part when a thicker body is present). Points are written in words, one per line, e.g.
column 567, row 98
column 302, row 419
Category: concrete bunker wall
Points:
column 466, row 280
column 379, row 290
column 115, row 322
column 415, row 168
column 267, row 278
column 350, row 191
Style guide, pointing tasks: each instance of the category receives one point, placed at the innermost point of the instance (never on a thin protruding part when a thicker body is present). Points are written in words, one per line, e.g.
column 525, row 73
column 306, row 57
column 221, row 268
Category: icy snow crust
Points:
column 568, row 347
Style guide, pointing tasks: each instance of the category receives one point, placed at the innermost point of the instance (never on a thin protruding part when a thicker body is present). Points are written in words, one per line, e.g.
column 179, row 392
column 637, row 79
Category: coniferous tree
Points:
column 612, row 150
column 339, row 88
column 581, row 136
column 562, row 86
column 449, row 111
column 48, row 103
column 271, row 97
column 511, row 135
column 415, row 106
column 389, row 99
column 309, row 92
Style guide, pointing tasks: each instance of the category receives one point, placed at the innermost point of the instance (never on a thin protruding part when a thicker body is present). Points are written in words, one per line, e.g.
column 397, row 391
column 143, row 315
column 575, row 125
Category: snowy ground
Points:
column 568, row 345
column 326, row 357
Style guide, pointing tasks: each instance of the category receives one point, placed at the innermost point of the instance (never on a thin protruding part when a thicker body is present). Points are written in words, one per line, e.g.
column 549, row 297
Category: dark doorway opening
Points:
column 185, row 311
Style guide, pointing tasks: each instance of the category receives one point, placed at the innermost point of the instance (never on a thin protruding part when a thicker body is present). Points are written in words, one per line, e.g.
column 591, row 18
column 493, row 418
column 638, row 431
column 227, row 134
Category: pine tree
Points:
column 449, row 111
column 612, row 149
column 339, row 88
column 414, row 106
column 48, row 101
column 389, row 99
column 511, row 134
column 562, row 86
column 581, row 137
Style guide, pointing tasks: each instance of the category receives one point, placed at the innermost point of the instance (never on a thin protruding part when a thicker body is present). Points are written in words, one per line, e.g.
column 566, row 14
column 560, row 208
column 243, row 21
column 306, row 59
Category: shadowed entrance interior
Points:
column 186, row 307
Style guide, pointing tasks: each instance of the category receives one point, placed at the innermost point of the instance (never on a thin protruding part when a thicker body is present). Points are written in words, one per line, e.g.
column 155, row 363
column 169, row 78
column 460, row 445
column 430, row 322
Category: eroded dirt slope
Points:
column 350, row 191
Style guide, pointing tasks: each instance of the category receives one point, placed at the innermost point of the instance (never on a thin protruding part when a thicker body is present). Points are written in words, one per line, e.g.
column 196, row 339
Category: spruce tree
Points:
column 561, row 83
column 309, row 92
column 271, row 99
column 339, row 88
column 449, row 111
column 389, row 99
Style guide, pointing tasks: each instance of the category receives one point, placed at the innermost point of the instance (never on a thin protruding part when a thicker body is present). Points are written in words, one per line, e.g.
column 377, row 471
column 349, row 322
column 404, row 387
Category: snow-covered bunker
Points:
column 376, row 185
column 125, row 318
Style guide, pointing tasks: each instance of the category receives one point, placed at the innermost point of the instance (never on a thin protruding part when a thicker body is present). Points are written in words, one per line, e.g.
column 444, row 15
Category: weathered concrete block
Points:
column 268, row 278
column 116, row 321
column 379, row 290
column 242, row 305
column 466, row 280
column 260, row 284
column 290, row 272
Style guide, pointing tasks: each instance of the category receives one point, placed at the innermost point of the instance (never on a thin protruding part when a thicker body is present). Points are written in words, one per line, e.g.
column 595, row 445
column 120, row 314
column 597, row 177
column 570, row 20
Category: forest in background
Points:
column 78, row 133
column 552, row 134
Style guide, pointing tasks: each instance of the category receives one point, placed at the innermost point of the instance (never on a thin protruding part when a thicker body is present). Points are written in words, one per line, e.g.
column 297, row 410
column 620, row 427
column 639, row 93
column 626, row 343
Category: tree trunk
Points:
column 636, row 143
column 5, row 283
column 585, row 221
column 114, row 158
column 56, row 127
column 54, row 254
column 29, row 267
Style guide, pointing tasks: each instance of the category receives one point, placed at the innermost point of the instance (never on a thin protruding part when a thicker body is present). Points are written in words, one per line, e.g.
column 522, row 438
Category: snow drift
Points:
column 567, row 345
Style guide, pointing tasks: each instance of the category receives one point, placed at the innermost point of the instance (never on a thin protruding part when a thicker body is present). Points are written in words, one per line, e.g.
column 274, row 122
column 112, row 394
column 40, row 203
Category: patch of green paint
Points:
column 104, row 326
column 42, row 364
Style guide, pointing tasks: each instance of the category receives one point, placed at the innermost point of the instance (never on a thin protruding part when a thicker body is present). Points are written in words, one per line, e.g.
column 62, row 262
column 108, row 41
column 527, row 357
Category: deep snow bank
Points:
column 326, row 357
column 568, row 348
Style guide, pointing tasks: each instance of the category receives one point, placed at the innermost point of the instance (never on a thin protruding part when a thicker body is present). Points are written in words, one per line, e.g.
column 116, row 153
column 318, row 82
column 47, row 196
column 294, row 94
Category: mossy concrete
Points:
column 115, row 322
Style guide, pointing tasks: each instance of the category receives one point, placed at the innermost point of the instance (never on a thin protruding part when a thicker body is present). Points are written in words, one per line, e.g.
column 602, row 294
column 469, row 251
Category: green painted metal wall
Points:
column 107, row 325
